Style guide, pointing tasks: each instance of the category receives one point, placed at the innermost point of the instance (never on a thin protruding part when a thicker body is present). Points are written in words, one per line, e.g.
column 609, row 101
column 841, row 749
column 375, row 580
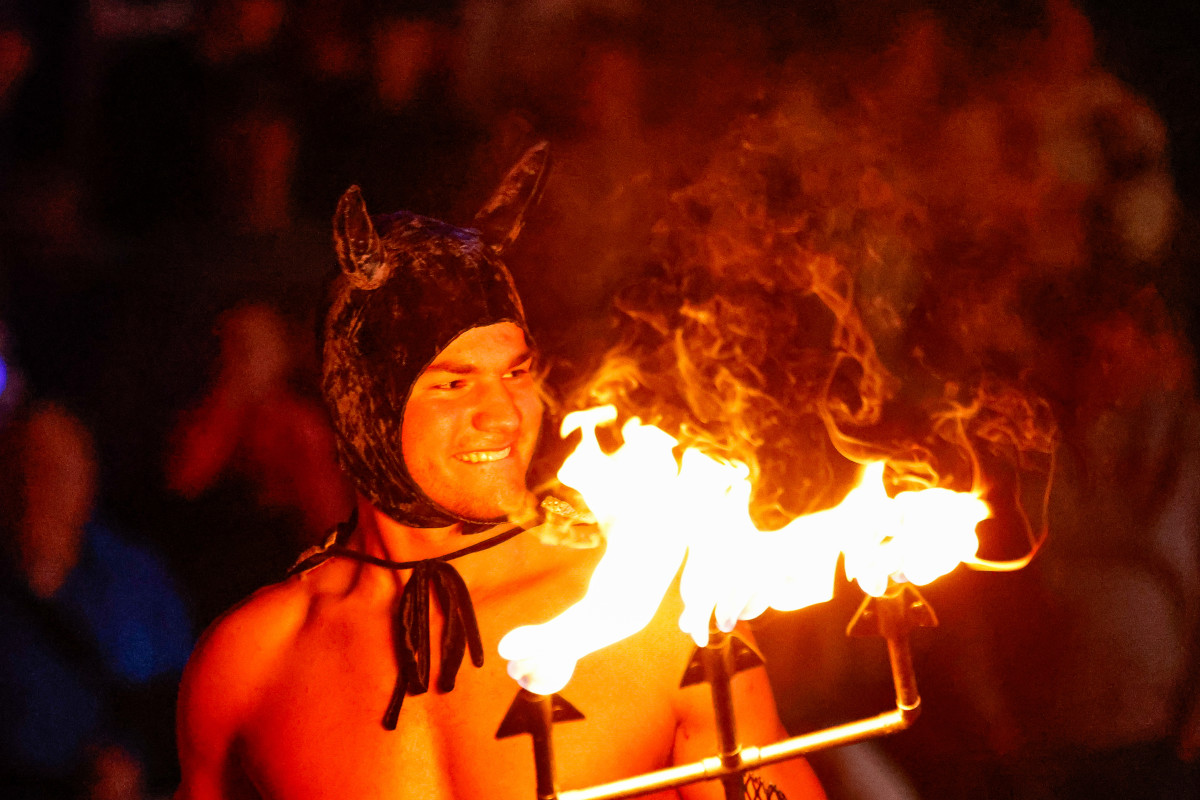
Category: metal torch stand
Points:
column 892, row 616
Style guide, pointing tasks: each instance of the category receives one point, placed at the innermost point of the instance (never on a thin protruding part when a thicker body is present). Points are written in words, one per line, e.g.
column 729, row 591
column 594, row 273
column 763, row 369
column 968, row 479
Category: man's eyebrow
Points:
column 464, row 368
column 525, row 355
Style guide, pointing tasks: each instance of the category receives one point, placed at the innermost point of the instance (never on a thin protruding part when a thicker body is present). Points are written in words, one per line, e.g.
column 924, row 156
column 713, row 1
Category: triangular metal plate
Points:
column 524, row 715
column 742, row 655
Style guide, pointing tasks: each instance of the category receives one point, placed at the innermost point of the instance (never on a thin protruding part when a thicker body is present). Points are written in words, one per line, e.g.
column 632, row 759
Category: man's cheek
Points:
column 532, row 410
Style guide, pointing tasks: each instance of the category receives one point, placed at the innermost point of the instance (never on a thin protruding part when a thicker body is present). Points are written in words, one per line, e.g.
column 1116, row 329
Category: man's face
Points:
column 472, row 421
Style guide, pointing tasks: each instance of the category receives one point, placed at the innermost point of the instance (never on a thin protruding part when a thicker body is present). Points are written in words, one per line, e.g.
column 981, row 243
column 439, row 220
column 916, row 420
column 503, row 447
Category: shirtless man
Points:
column 316, row 687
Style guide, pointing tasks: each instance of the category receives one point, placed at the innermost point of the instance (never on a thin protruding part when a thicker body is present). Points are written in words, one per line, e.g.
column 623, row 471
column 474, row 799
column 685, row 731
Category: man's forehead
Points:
column 503, row 344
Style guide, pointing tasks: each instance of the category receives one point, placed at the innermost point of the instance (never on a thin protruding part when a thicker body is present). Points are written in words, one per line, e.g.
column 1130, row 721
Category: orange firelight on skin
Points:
column 657, row 511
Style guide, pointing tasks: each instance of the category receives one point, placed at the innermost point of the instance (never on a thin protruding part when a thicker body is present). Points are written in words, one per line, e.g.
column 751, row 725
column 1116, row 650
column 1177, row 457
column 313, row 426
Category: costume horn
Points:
column 359, row 250
column 501, row 218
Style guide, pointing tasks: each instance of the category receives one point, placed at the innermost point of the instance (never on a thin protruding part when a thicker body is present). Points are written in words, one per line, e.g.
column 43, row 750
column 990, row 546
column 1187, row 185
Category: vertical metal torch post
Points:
column 893, row 616
column 904, row 677
column 543, row 747
column 535, row 714
column 717, row 668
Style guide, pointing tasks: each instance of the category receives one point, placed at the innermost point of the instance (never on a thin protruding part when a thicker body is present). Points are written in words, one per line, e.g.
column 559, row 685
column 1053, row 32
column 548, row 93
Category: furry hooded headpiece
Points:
column 408, row 286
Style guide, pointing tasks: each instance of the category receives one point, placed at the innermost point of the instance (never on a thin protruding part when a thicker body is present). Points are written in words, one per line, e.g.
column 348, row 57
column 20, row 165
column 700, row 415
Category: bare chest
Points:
column 318, row 729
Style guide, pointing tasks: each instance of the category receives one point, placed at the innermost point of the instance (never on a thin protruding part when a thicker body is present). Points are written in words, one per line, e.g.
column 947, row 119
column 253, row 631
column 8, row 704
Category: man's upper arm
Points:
column 758, row 724
column 215, row 698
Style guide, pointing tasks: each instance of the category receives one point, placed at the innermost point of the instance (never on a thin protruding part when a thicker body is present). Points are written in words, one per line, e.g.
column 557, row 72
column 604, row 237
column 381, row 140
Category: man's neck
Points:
column 495, row 555
column 379, row 535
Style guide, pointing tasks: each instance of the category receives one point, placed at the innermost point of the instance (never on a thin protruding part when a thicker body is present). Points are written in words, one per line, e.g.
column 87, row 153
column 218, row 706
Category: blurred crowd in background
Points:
column 988, row 173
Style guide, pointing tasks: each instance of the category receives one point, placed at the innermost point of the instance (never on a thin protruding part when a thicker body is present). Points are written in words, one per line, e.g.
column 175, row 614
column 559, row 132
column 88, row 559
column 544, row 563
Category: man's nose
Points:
column 498, row 410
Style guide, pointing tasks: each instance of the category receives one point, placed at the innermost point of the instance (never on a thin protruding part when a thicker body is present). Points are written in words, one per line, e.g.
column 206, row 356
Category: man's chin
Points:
column 515, row 509
column 509, row 502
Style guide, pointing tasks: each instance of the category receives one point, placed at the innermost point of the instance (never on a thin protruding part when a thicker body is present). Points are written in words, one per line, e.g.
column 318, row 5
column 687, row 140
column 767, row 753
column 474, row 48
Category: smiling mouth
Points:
column 484, row 456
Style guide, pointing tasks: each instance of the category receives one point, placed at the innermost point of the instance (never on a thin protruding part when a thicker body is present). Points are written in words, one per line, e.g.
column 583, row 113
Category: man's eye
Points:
column 519, row 372
column 454, row 384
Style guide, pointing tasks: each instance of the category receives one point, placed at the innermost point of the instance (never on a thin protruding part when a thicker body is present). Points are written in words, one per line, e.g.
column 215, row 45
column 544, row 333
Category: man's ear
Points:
column 359, row 249
column 502, row 216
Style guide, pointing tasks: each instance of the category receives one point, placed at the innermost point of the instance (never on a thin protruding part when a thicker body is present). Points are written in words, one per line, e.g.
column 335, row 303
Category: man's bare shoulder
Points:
column 238, row 650
column 223, row 680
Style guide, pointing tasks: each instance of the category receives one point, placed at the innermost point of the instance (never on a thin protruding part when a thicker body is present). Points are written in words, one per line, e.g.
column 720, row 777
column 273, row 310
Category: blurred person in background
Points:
column 142, row 112
column 251, row 93
column 93, row 631
column 15, row 55
column 14, row 60
column 259, row 448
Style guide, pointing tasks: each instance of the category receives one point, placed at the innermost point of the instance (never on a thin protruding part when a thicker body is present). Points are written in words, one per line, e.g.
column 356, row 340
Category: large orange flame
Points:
column 656, row 511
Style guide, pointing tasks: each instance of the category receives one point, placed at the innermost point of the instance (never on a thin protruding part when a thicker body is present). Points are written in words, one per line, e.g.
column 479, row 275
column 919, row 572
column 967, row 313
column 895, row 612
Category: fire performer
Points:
column 319, row 686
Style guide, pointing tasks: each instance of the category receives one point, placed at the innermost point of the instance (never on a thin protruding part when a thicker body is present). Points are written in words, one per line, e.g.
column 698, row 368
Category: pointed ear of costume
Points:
column 502, row 216
column 359, row 250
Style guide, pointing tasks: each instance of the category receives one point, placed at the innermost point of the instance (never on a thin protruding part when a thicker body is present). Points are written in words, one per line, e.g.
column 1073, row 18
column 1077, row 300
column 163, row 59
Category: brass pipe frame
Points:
column 751, row 758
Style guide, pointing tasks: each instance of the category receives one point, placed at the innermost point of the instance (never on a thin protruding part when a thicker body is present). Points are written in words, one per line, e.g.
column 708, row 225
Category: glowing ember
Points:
column 655, row 511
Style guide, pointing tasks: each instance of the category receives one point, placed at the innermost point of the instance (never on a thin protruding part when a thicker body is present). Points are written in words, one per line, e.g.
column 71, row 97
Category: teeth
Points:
column 481, row 456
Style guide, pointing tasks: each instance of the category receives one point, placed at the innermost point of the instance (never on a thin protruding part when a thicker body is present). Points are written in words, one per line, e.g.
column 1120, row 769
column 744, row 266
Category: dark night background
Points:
column 114, row 308
column 130, row 169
